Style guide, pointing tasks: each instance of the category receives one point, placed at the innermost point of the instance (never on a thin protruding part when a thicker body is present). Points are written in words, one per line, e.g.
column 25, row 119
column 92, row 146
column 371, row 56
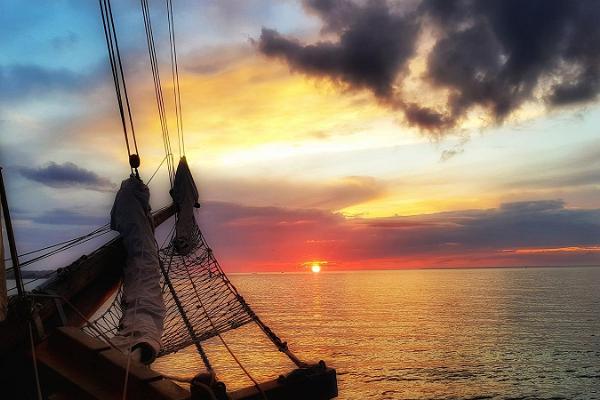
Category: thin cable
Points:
column 111, row 55
column 67, row 246
column 158, row 88
column 212, row 324
column 281, row 345
column 175, row 78
column 120, row 64
column 35, row 366
column 156, row 170
column 184, row 317
column 56, row 244
column 116, row 66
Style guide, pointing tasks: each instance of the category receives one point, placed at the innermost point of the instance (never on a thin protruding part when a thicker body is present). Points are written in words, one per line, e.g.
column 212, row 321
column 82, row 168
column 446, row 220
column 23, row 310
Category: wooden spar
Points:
column 3, row 293
column 10, row 236
column 86, row 283
column 83, row 367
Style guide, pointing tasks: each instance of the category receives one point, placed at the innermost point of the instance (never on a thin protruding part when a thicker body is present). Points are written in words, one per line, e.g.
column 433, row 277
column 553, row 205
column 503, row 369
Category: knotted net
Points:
column 196, row 292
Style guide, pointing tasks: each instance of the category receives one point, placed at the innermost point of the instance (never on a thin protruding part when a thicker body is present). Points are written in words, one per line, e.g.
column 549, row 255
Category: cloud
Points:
column 582, row 177
column 496, row 56
column 67, row 175
column 21, row 81
column 250, row 238
column 65, row 41
column 333, row 195
column 374, row 45
column 68, row 217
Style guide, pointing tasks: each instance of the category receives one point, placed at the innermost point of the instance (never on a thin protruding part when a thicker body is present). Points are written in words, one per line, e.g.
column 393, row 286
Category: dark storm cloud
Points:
column 66, row 175
column 495, row 54
column 373, row 46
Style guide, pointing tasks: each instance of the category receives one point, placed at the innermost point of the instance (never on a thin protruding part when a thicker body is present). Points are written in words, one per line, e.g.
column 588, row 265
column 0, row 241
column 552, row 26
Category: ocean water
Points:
column 423, row 334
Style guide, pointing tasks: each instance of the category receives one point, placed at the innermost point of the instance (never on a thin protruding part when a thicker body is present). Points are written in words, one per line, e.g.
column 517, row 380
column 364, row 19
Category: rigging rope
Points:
column 116, row 67
column 36, row 373
column 66, row 242
column 158, row 89
column 175, row 78
column 156, row 170
column 60, row 247
column 238, row 362
column 211, row 305
column 201, row 302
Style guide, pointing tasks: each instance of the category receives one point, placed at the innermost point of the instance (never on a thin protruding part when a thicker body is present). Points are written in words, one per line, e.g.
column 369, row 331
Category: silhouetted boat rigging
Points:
column 51, row 349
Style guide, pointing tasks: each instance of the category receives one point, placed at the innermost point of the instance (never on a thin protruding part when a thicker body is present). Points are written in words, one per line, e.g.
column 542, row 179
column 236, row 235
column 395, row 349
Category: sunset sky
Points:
column 368, row 134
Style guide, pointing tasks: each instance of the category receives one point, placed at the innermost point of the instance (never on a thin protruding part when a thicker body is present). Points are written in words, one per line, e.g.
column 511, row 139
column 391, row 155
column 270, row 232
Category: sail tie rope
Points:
column 36, row 373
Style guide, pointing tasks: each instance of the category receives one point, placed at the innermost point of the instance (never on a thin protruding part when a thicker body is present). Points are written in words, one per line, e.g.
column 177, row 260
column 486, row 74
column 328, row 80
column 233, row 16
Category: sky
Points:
column 360, row 134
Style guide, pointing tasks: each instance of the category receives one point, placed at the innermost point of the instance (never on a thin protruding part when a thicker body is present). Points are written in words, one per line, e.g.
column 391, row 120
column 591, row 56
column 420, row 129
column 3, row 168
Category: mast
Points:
column 11, row 238
column 3, row 292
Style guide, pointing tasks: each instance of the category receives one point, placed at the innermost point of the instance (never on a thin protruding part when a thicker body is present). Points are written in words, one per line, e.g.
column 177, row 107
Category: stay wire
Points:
column 120, row 64
column 120, row 84
column 157, row 87
column 212, row 324
column 156, row 170
column 175, row 77
column 111, row 55
column 103, row 227
column 70, row 243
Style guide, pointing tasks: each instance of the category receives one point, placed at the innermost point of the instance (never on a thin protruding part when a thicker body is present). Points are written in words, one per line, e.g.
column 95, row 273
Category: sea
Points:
column 505, row 333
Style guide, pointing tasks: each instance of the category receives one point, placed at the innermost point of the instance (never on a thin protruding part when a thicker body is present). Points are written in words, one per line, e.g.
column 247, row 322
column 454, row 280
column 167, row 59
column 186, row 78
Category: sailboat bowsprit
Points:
column 167, row 297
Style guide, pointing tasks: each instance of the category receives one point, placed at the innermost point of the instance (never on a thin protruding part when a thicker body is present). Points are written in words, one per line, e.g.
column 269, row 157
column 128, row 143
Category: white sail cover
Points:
column 143, row 307
column 185, row 196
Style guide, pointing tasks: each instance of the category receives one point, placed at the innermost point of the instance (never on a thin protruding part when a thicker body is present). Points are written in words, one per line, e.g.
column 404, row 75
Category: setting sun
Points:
column 314, row 265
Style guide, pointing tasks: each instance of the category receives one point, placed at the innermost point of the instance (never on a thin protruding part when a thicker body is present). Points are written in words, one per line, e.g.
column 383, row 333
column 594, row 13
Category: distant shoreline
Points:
column 412, row 269
column 38, row 274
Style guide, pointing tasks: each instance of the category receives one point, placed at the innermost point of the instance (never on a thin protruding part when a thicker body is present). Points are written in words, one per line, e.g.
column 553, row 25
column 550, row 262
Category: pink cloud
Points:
column 273, row 238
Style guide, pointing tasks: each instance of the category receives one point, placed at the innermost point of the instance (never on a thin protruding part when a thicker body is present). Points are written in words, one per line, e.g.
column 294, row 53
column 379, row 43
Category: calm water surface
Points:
column 424, row 334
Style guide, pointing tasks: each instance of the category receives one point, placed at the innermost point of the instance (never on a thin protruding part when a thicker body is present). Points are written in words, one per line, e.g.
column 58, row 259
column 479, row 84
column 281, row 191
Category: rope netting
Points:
column 200, row 300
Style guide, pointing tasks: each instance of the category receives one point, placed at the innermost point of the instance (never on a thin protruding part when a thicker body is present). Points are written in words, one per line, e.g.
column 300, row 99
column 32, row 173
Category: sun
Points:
column 315, row 266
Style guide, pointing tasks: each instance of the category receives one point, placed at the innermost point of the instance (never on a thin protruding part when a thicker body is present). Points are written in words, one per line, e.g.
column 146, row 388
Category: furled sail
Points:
column 185, row 196
column 200, row 300
column 141, row 303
